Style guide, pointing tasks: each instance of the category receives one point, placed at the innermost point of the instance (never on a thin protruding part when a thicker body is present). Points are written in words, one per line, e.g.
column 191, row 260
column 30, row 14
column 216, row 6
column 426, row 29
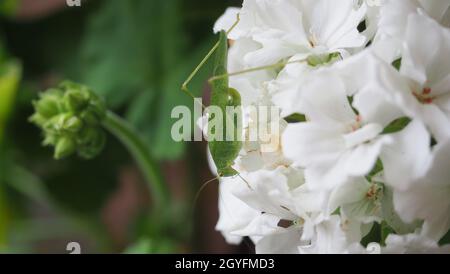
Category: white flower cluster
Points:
column 370, row 161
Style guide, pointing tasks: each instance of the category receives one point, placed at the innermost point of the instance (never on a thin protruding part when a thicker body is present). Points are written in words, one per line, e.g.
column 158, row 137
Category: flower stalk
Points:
column 125, row 133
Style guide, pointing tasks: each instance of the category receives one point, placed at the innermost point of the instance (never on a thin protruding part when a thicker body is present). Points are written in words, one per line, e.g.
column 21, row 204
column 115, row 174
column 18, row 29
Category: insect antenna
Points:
column 199, row 192
column 186, row 83
column 243, row 179
column 238, row 19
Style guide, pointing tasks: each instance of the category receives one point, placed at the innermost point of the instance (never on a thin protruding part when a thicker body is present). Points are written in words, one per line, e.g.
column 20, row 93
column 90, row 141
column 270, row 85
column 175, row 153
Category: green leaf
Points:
column 397, row 63
column 446, row 239
column 374, row 236
column 27, row 183
column 377, row 169
column 386, row 230
column 397, row 125
column 10, row 74
column 295, row 118
column 119, row 52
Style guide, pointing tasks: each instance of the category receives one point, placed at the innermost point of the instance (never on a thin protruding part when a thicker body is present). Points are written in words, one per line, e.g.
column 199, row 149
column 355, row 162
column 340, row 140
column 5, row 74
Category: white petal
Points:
column 234, row 214
column 284, row 241
column 425, row 202
column 261, row 226
column 311, row 144
column 394, row 16
column 330, row 239
column 326, row 101
column 350, row 192
column 437, row 121
column 361, row 160
column 436, row 9
column 362, row 135
column 335, row 24
column 373, row 108
column 408, row 157
column 419, row 62
column 269, row 193
column 412, row 244
column 227, row 20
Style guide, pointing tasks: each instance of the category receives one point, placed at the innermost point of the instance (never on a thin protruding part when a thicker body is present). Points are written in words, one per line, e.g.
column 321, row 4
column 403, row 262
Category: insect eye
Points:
column 234, row 98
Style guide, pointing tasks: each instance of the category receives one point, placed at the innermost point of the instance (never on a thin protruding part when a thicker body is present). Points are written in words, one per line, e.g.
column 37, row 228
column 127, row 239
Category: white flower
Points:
column 287, row 209
column 336, row 143
column 372, row 16
column 285, row 28
column 358, row 200
column 422, row 87
column 375, row 145
column 234, row 213
column 251, row 85
column 357, row 72
column 426, row 198
column 394, row 16
column 408, row 157
column 335, row 236
column 413, row 244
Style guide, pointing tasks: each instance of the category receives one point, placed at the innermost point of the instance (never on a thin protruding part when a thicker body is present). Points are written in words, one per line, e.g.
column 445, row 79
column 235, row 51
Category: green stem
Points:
column 127, row 135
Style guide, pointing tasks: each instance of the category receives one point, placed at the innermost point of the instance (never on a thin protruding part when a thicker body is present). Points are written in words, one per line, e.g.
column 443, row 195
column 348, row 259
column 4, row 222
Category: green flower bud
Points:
column 76, row 100
column 49, row 104
column 64, row 147
column 70, row 117
column 73, row 124
column 94, row 113
column 60, row 123
column 90, row 118
column 91, row 142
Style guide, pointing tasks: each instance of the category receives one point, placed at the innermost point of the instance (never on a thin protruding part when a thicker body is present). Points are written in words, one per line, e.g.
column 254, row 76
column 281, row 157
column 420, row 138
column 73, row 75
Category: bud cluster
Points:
column 70, row 117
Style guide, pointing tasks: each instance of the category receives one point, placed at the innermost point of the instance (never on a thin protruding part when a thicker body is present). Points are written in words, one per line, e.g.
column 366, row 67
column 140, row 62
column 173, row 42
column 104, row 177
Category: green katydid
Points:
column 224, row 153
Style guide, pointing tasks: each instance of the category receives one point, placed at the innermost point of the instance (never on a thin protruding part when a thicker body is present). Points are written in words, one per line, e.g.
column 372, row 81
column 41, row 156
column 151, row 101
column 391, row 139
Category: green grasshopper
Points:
column 224, row 153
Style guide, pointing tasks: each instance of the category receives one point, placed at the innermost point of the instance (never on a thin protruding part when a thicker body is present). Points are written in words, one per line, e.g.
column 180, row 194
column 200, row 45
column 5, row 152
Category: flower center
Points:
column 374, row 193
column 425, row 96
column 345, row 225
column 313, row 40
column 357, row 124
column 287, row 223
column 299, row 222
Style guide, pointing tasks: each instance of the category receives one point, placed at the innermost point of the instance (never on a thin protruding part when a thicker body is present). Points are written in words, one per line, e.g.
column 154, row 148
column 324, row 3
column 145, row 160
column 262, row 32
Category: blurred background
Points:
column 135, row 54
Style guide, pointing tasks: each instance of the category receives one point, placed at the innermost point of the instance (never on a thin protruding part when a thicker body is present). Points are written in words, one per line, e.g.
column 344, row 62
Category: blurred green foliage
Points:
column 135, row 54
column 10, row 73
column 145, row 68
column 8, row 7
